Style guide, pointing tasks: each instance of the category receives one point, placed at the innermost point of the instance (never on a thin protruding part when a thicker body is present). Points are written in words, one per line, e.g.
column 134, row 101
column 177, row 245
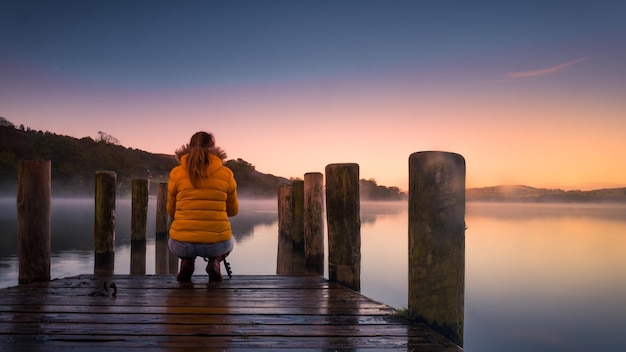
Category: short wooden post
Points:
column 290, row 256
column 285, row 230
column 161, row 255
column 162, row 223
column 173, row 259
column 314, row 222
column 344, row 224
column 285, row 211
column 104, row 223
column 297, row 187
column 285, row 219
column 138, row 226
column 437, row 241
column 139, row 218
column 33, row 218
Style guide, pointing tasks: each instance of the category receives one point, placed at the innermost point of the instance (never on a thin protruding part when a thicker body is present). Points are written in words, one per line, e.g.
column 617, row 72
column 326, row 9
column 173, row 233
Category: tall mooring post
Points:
column 104, row 223
column 33, row 220
column 437, row 241
column 344, row 224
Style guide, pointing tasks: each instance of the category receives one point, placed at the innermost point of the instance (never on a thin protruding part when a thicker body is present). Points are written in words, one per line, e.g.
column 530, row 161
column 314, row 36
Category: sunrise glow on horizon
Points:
column 527, row 92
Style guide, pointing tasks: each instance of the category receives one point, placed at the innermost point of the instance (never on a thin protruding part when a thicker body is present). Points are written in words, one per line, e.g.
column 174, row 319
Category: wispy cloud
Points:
column 545, row 71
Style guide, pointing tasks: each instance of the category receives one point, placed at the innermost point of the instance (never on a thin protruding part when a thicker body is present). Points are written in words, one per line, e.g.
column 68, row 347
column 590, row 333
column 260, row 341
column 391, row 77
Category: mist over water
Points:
column 539, row 277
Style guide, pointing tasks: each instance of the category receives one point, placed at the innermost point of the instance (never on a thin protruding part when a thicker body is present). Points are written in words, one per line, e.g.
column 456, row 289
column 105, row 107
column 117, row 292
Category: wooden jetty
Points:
column 296, row 310
column 291, row 313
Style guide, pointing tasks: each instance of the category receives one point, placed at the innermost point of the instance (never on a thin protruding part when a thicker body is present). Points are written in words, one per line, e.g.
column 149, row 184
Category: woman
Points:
column 202, row 195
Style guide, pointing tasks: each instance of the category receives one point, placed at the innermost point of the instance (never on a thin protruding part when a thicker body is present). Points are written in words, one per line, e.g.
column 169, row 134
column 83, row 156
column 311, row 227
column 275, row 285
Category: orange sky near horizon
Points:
column 288, row 131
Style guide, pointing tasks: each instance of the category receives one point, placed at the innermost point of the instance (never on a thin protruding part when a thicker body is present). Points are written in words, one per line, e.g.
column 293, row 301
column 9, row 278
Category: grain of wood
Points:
column 295, row 313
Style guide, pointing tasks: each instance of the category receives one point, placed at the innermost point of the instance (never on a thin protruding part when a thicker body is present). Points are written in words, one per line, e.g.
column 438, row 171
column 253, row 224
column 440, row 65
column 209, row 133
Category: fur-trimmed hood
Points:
column 217, row 151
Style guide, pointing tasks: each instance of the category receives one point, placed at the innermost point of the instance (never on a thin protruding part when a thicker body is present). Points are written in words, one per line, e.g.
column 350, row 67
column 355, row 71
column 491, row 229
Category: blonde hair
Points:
column 201, row 145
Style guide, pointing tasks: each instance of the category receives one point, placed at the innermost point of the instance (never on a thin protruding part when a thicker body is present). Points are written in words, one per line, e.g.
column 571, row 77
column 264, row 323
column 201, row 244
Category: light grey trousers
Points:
column 205, row 250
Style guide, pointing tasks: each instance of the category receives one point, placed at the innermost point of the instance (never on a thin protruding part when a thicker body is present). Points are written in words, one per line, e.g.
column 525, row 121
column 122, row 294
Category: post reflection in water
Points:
column 138, row 257
column 539, row 277
column 162, row 254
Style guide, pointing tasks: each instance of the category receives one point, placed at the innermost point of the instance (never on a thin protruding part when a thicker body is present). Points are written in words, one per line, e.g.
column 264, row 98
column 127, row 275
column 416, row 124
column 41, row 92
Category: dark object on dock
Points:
column 229, row 271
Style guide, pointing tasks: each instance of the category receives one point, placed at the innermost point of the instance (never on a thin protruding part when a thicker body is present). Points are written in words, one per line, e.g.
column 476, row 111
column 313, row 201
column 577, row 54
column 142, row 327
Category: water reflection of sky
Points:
column 538, row 277
column 547, row 278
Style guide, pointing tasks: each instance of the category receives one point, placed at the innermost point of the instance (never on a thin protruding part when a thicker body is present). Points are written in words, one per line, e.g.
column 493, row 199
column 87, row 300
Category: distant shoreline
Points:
column 526, row 194
column 495, row 194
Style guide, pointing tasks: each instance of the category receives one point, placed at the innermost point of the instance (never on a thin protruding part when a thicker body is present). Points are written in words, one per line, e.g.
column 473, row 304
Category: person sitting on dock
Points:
column 202, row 195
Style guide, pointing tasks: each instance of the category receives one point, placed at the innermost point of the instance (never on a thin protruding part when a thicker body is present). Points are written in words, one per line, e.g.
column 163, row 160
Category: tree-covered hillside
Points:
column 74, row 163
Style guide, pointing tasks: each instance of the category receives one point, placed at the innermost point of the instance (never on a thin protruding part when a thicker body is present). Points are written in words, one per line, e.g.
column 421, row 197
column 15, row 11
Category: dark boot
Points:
column 187, row 266
column 213, row 269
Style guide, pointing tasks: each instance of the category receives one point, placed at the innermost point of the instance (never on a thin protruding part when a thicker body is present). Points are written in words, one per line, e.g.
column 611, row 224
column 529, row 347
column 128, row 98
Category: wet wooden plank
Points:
column 300, row 313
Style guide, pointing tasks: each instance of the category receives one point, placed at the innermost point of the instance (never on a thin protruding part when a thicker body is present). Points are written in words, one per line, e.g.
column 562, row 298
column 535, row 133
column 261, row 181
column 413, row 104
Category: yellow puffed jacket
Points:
column 201, row 214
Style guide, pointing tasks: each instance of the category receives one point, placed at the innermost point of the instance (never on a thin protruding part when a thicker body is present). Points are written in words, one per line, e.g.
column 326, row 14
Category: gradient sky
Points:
column 529, row 92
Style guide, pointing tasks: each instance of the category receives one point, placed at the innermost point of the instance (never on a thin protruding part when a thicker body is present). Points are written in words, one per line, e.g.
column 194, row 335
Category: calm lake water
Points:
column 539, row 277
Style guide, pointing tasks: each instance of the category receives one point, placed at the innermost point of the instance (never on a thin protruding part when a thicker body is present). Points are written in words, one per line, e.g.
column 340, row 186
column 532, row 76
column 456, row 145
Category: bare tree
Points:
column 107, row 138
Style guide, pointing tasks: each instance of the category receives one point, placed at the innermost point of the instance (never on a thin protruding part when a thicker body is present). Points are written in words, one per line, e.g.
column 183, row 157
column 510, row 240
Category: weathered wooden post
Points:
column 161, row 255
column 173, row 259
column 290, row 255
column 33, row 218
column 437, row 241
column 138, row 226
column 139, row 219
column 104, row 223
column 344, row 224
column 314, row 222
column 285, row 228
column 297, row 187
column 162, row 221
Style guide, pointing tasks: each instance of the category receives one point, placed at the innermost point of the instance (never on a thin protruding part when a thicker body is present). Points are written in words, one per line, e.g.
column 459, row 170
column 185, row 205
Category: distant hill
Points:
column 520, row 193
column 252, row 183
column 74, row 163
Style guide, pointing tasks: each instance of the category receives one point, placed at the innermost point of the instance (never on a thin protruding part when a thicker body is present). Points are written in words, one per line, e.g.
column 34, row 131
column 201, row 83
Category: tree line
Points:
column 75, row 161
